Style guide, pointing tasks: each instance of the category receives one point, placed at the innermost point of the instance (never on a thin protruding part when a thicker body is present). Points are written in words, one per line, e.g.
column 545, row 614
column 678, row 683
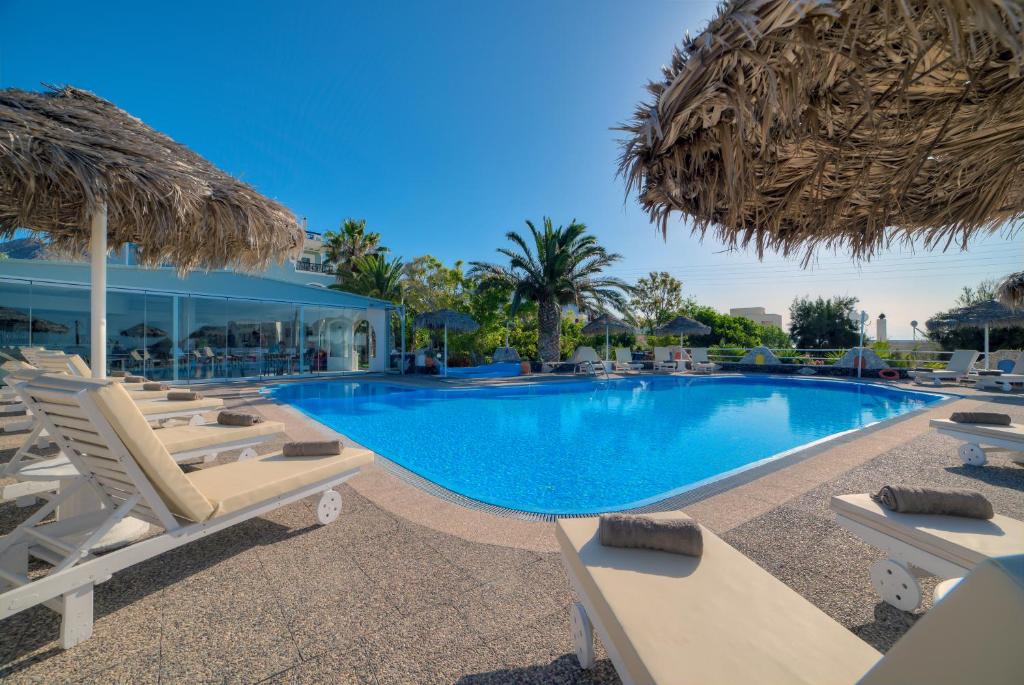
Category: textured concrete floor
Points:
column 380, row 597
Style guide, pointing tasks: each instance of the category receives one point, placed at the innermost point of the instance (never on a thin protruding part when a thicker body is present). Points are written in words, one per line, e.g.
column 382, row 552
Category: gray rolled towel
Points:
column 678, row 536
column 134, row 379
column 238, row 418
column 117, row 374
column 312, row 448
column 183, row 395
column 985, row 417
column 907, row 499
column 155, row 386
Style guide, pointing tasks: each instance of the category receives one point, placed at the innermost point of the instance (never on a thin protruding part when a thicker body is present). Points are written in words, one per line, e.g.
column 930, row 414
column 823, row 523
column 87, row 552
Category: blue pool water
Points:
column 492, row 370
column 591, row 446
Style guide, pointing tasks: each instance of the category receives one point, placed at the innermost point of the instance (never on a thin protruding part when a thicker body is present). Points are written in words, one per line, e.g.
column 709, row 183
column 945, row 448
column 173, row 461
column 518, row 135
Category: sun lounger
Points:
column 1004, row 381
column 722, row 619
column 923, row 544
column 106, row 436
column 624, row 360
column 586, row 361
column 700, row 363
column 995, row 439
column 663, row 360
column 957, row 369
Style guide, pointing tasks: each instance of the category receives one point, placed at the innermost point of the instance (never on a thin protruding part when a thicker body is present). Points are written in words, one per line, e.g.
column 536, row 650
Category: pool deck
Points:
column 407, row 587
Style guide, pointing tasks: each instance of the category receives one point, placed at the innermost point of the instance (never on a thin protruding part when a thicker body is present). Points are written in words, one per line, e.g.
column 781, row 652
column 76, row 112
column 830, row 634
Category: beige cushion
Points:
column 235, row 486
column 141, row 395
column 165, row 406
column 78, row 366
column 1011, row 432
column 177, row 492
column 963, row 541
column 188, row 438
column 719, row 618
column 972, row 636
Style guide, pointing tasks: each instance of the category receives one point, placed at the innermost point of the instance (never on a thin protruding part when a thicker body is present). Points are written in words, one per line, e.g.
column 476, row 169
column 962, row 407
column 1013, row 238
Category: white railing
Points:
column 825, row 356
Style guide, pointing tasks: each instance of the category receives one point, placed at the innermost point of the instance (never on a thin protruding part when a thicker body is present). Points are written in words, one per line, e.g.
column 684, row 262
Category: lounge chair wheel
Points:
column 582, row 635
column 896, row 585
column 972, row 454
column 329, row 507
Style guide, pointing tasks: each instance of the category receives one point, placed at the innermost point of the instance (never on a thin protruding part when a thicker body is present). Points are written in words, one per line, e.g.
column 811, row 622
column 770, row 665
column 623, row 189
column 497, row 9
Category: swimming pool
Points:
column 589, row 446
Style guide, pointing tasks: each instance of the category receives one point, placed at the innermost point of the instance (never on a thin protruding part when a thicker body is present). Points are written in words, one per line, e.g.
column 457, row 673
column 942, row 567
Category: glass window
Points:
column 68, row 307
column 203, row 331
column 16, row 317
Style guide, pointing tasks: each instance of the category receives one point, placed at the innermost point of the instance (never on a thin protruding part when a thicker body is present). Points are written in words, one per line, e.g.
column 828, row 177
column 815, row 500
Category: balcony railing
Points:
column 324, row 268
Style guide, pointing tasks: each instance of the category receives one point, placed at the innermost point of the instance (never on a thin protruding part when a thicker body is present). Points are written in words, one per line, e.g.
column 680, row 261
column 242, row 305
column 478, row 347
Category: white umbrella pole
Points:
column 445, row 360
column 98, row 301
column 986, row 347
column 606, row 343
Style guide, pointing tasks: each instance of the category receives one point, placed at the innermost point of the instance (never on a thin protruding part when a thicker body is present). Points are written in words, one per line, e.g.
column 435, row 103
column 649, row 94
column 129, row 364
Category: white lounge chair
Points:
column 663, row 360
column 1004, row 381
column 624, row 360
column 106, row 437
column 721, row 618
column 975, row 435
column 923, row 544
column 700, row 362
column 586, row 361
column 957, row 369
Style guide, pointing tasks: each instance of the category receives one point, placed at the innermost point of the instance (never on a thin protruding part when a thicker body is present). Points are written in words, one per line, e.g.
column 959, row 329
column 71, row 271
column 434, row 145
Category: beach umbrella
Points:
column 606, row 323
column 795, row 125
column 94, row 178
column 16, row 319
column 1011, row 291
column 985, row 315
column 445, row 319
column 682, row 325
column 140, row 330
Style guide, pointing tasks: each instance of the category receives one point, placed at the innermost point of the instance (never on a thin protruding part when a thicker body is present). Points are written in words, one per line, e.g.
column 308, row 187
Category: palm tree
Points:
column 348, row 245
column 563, row 266
column 378, row 277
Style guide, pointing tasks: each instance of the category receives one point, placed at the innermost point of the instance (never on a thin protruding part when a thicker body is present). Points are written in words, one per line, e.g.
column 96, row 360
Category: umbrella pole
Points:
column 445, row 360
column 98, row 301
column 606, row 342
column 986, row 348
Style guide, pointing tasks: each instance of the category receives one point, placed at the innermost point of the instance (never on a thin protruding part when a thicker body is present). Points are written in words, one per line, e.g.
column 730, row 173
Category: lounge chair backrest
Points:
column 700, row 355
column 662, row 354
column 971, row 636
column 585, row 354
column 78, row 366
column 52, row 362
column 677, row 353
column 962, row 360
column 623, row 355
column 109, row 438
column 1018, row 365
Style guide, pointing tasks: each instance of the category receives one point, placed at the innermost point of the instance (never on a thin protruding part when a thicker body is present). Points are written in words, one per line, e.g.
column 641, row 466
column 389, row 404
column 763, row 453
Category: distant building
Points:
column 757, row 314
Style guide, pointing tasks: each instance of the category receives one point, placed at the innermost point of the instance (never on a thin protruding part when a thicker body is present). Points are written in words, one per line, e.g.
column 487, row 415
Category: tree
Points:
column 430, row 285
column 348, row 245
column 376, row 276
column 974, row 338
column 986, row 290
column 656, row 299
column 556, row 267
column 823, row 323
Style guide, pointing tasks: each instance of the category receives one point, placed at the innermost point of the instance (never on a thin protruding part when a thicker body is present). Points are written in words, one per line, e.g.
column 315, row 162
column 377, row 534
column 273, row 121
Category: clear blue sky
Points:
column 444, row 124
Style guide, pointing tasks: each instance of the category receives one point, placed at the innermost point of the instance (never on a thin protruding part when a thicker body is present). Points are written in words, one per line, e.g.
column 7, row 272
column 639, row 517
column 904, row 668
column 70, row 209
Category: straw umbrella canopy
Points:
column 1011, row 291
column 682, row 325
column 16, row 319
column 606, row 323
column 986, row 315
column 838, row 123
column 446, row 319
column 95, row 178
column 141, row 330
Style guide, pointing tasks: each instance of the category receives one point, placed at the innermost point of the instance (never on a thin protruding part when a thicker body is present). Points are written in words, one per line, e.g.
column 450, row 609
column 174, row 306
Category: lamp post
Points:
column 913, row 327
column 861, row 320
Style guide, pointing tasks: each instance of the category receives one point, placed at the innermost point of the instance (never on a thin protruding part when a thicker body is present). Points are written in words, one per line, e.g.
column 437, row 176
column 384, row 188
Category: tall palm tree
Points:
column 378, row 277
column 558, row 266
column 349, row 244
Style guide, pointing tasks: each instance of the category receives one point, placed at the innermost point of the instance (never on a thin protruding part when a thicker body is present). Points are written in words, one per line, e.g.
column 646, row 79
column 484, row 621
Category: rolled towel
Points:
column 907, row 499
column 183, row 395
column 678, row 536
column 117, row 374
column 238, row 418
column 312, row 448
column 985, row 417
column 134, row 379
column 155, row 386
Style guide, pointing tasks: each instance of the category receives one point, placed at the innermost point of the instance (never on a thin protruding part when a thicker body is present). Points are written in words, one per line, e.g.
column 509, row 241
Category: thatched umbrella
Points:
column 682, row 325
column 1011, row 291
column 606, row 323
column 986, row 315
column 94, row 178
column 16, row 319
column 844, row 124
column 446, row 318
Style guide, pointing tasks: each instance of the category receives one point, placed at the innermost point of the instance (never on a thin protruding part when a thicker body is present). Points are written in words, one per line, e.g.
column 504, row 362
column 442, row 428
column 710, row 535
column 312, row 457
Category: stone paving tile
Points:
column 338, row 667
column 505, row 602
column 484, row 562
